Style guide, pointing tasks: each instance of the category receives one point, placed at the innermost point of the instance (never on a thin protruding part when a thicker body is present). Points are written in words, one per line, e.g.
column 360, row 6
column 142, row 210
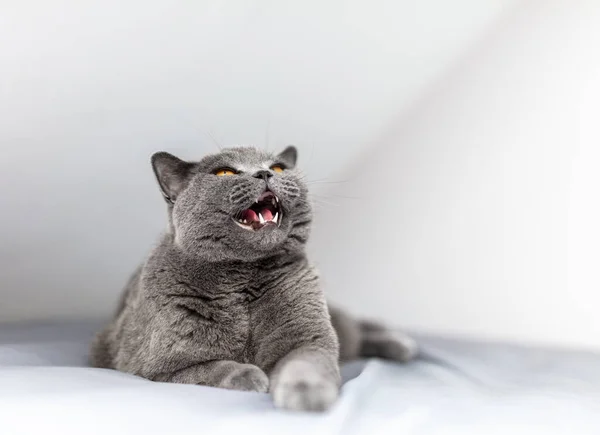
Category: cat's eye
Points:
column 224, row 172
column 277, row 168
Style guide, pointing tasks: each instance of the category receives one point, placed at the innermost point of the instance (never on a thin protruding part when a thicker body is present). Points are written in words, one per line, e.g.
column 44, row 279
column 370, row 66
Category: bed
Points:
column 457, row 387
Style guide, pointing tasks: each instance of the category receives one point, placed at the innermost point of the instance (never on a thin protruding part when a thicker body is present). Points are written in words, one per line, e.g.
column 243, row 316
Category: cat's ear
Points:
column 289, row 156
column 172, row 174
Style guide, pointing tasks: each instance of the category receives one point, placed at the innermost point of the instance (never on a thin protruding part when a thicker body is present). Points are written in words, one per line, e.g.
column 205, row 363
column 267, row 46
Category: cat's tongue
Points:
column 266, row 214
column 251, row 216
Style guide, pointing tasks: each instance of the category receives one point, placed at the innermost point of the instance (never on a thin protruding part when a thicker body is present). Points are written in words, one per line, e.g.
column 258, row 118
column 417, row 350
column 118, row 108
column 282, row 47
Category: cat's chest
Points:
column 243, row 285
column 231, row 317
column 231, row 300
column 235, row 313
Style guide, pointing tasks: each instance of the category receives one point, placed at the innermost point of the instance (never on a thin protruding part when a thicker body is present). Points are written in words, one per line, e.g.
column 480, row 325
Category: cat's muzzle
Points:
column 264, row 212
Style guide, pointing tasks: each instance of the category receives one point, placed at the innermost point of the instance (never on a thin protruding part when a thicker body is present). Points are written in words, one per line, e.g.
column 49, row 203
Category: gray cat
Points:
column 228, row 298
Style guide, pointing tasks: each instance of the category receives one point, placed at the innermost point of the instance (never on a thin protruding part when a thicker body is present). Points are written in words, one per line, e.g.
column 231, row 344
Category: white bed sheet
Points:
column 471, row 388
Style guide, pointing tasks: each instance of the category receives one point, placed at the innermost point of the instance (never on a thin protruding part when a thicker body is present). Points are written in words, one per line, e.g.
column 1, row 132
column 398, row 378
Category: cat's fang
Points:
column 263, row 211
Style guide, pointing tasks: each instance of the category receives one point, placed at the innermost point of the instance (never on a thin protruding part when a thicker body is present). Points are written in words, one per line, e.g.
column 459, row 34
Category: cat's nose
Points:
column 265, row 175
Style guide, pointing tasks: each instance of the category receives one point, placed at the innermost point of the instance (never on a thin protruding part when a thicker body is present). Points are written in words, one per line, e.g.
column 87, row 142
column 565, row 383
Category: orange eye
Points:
column 277, row 168
column 223, row 172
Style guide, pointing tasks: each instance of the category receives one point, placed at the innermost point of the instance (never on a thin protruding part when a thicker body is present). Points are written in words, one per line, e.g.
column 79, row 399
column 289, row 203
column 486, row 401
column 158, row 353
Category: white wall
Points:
column 477, row 212
column 89, row 89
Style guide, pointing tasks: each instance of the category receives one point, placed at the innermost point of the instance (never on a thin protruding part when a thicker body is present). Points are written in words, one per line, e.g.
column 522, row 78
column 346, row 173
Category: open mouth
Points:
column 265, row 211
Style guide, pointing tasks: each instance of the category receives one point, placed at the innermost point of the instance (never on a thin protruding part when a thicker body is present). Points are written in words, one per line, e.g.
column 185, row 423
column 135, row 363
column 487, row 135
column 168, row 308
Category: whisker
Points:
column 267, row 130
column 324, row 181
column 314, row 201
column 215, row 141
column 336, row 196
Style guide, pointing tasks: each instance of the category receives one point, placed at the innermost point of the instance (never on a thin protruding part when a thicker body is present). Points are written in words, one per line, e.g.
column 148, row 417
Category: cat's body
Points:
column 227, row 299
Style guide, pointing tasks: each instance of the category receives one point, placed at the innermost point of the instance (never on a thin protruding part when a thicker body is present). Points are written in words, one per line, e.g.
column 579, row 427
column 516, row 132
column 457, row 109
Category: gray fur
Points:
column 215, row 304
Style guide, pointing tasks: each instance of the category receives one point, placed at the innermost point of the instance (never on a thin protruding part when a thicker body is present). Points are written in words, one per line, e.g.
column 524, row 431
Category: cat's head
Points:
column 240, row 204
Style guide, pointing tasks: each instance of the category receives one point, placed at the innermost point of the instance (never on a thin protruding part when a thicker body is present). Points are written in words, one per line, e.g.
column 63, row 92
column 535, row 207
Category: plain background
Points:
column 453, row 149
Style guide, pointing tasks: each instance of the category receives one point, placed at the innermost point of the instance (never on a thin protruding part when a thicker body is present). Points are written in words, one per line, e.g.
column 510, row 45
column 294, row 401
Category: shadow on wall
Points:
column 472, row 214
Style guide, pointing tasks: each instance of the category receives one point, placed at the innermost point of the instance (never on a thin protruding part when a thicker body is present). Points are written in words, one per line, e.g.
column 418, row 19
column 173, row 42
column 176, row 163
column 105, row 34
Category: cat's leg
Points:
column 100, row 355
column 223, row 374
column 380, row 342
column 307, row 379
column 297, row 346
column 366, row 339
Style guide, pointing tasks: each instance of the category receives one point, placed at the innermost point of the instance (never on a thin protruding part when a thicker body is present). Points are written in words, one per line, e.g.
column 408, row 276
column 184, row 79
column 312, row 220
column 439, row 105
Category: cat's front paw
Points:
column 300, row 387
column 246, row 377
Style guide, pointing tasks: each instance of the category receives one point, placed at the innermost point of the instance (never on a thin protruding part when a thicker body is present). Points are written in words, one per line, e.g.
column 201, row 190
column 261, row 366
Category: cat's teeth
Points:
column 273, row 202
column 261, row 218
column 245, row 221
column 276, row 217
column 277, row 199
